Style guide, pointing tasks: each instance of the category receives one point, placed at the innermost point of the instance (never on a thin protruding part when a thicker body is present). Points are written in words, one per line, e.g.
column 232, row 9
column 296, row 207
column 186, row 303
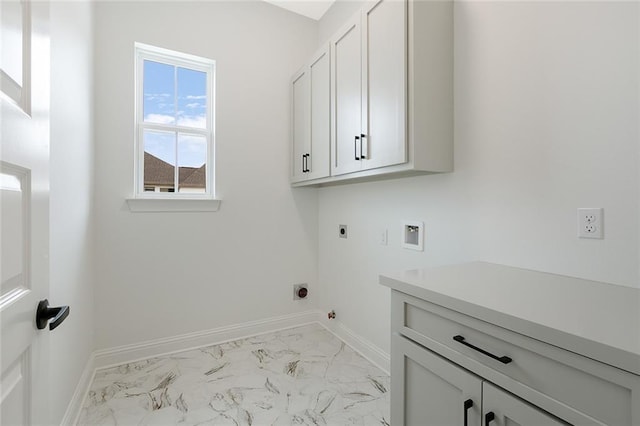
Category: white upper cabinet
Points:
column 346, row 103
column 384, row 82
column 310, row 95
column 391, row 94
column 301, row 118
column 369, row 102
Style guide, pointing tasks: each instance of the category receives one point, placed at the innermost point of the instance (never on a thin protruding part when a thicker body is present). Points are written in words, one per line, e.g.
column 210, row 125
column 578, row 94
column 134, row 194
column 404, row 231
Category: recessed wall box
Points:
column 413, row 235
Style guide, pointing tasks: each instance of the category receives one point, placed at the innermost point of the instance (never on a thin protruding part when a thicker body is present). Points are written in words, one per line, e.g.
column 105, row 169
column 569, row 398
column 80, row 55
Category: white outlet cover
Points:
column 591, row 223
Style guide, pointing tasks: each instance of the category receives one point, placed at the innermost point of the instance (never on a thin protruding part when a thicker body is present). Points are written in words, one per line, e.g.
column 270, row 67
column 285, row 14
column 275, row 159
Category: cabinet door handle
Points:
column 467, row 404
column 355, row 147
column 362, row 150
column 502, row 359
column 306, row 163
column 303, row 158
column 489, row 417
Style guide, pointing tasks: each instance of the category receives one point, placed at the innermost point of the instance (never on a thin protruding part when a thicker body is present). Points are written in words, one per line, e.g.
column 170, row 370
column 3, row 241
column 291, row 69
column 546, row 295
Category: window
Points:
column 174, row 124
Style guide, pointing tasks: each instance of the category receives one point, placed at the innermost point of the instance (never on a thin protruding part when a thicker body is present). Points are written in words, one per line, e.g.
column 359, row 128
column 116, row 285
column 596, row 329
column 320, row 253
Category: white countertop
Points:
column 594, row 319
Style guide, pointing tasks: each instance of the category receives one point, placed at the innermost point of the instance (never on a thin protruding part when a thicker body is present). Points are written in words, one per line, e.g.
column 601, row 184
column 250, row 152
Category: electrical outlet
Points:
column 591, row 223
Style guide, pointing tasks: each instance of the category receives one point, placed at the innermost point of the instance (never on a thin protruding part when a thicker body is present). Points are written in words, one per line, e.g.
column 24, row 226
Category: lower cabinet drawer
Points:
column 546, row 374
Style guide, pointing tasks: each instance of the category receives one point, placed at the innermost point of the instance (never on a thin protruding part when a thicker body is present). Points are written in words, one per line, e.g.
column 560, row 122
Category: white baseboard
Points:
column 364, row 347
column 77, row 400
column 129, row 353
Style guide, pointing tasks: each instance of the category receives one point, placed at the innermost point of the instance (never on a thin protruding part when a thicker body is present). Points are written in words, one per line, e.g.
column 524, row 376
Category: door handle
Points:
column 355, row 147
column 467, row 404
column 363, row 151
column 306, row 163
column 44, row 313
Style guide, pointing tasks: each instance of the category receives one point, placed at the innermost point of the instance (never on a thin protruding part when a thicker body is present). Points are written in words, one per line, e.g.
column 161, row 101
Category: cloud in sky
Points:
column 159, row 118
column 195, row 97
column 157, row 96
column 193, row 105
column 197, row 121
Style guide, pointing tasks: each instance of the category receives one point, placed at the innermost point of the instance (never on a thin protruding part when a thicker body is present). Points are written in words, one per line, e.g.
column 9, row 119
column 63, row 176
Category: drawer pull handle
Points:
column 489, row 417
column 467, row 404
column 502, row 359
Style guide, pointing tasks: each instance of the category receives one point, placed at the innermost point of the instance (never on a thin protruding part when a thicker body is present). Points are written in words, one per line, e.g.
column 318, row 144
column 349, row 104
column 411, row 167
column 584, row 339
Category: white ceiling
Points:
column 313, row 9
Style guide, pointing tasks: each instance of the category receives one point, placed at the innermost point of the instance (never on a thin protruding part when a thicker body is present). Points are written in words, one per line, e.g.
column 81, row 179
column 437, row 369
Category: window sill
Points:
column 140, row 205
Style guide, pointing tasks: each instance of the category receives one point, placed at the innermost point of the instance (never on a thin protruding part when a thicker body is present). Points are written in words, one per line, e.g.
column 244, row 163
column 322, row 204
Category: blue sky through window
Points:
column 184, row 105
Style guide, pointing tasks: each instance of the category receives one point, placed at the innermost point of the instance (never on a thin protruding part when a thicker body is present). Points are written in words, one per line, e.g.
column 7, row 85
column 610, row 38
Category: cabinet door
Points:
column 503, row 409
column 384, row 30
column 346, row 125
column 318, row 162
column 301, row 134
column 428, row 390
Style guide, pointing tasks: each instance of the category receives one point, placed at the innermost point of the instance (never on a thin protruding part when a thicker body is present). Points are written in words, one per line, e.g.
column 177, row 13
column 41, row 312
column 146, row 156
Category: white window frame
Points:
column 146, row 52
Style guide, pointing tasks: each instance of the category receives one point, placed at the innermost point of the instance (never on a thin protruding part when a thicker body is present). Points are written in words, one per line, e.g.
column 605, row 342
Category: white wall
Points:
column 546, row 121
column 71, row 221
column 164, row 274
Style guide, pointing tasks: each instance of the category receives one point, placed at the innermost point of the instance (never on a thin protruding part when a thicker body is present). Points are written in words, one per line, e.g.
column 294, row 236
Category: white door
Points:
column 429, row 390
column 24, row 158
column 384, row 71
column 346, row 126
column 502, row 409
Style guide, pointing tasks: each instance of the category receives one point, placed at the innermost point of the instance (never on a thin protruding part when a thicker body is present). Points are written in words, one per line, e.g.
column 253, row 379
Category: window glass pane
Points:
column 192, row 98
column 159, row 161
column 192, row 162
column 159, row 93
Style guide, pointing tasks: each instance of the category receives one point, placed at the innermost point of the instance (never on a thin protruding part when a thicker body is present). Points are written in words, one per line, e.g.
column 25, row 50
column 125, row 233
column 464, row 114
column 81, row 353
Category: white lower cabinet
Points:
column 449, row 368
column 429, row 390
column 502, row 408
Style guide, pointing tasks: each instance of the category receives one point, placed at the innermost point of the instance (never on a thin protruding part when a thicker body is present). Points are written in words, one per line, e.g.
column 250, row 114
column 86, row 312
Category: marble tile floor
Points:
column 299, row 376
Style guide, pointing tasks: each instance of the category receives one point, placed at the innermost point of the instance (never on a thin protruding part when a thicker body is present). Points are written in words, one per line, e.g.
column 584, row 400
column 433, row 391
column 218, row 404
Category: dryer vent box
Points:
column 413, row 235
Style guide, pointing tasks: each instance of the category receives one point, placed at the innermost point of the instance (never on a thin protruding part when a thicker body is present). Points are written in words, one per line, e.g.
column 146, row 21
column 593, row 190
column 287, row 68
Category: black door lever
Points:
column 44, row 313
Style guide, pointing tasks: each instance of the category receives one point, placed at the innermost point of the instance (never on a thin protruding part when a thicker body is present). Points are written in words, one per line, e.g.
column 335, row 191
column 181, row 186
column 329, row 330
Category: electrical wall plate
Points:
column 591, row 223
column 413, row 235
